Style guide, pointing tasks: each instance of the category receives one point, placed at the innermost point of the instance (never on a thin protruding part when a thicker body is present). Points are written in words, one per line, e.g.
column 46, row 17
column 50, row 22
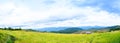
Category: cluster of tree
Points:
column 9, row 28
column 15, row 29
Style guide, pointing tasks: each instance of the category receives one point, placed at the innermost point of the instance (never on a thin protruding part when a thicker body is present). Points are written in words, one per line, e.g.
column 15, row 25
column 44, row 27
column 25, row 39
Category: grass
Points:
column 5, row 38
column 37, row 37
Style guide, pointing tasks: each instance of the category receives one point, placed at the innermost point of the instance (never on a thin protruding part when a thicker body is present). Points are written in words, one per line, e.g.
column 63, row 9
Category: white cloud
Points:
column 91, row 18
column 53, row 14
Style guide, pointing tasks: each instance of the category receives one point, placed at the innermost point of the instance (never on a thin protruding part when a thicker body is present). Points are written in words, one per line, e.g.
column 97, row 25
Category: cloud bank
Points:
column 55, row 13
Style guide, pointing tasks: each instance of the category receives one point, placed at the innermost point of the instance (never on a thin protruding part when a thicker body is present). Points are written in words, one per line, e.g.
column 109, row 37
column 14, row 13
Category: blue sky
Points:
column 59, row 13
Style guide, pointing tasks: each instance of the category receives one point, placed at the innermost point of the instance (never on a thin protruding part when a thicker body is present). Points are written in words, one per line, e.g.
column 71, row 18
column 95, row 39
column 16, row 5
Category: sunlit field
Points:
column 37, row 37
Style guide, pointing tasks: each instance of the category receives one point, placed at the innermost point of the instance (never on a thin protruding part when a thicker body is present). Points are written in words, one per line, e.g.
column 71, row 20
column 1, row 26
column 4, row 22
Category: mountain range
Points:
column 63, row 28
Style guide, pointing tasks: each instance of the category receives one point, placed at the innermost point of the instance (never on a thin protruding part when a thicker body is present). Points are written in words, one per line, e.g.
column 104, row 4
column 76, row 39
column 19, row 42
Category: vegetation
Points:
column 9, row 28
column 5, row 38
column 17, row 29
column 37, row 37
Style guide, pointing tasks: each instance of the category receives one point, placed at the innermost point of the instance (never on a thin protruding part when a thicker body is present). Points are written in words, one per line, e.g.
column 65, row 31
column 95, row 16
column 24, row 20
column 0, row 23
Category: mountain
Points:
column 52, row 28
column 70, row 30
column 113, row 28
column 82, row 28
column 91, row 27
column 116, row 26
column 62, row 28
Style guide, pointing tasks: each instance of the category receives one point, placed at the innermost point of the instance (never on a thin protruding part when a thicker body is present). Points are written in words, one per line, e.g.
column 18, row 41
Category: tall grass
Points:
column 37, row 37
column 5, row 38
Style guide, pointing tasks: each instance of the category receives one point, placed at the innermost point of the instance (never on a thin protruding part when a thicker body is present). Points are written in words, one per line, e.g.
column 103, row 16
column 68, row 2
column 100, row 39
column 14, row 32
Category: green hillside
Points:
column 37, row 37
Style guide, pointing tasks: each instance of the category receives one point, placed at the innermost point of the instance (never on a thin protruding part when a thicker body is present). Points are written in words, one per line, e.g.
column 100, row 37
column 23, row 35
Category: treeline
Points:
column 15, row 29
column 9, row 28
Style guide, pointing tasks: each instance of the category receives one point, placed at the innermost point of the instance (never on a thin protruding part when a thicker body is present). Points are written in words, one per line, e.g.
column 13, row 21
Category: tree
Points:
column 9, row 28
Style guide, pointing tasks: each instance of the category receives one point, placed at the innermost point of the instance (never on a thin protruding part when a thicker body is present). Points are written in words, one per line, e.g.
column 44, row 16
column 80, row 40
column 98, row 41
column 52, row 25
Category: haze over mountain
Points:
column 51, row 28
column 78, row 30
column 64, row 28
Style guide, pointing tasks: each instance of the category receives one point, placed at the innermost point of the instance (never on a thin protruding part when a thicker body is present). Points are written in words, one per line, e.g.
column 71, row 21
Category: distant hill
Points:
column 73, row 29
column 51, row 28
column 116, row 26
column 69, row 30
column 113, row 28
column 90, row 27
column 62, row 28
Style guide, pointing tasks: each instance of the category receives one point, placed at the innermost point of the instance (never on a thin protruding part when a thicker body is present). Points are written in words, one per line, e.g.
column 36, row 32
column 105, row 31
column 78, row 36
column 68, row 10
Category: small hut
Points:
column 86, row 32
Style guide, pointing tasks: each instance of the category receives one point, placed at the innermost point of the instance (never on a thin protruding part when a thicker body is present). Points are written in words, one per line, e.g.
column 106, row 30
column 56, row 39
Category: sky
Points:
column 59, row 13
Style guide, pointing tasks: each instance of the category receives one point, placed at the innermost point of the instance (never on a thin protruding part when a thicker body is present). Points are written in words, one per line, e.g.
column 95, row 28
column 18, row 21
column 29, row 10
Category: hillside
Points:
column 37, row 37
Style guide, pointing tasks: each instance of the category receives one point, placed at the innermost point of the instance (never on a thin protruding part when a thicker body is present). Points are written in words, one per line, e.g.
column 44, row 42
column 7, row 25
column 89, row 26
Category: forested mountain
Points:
column 94, row 29
column 69, row 30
